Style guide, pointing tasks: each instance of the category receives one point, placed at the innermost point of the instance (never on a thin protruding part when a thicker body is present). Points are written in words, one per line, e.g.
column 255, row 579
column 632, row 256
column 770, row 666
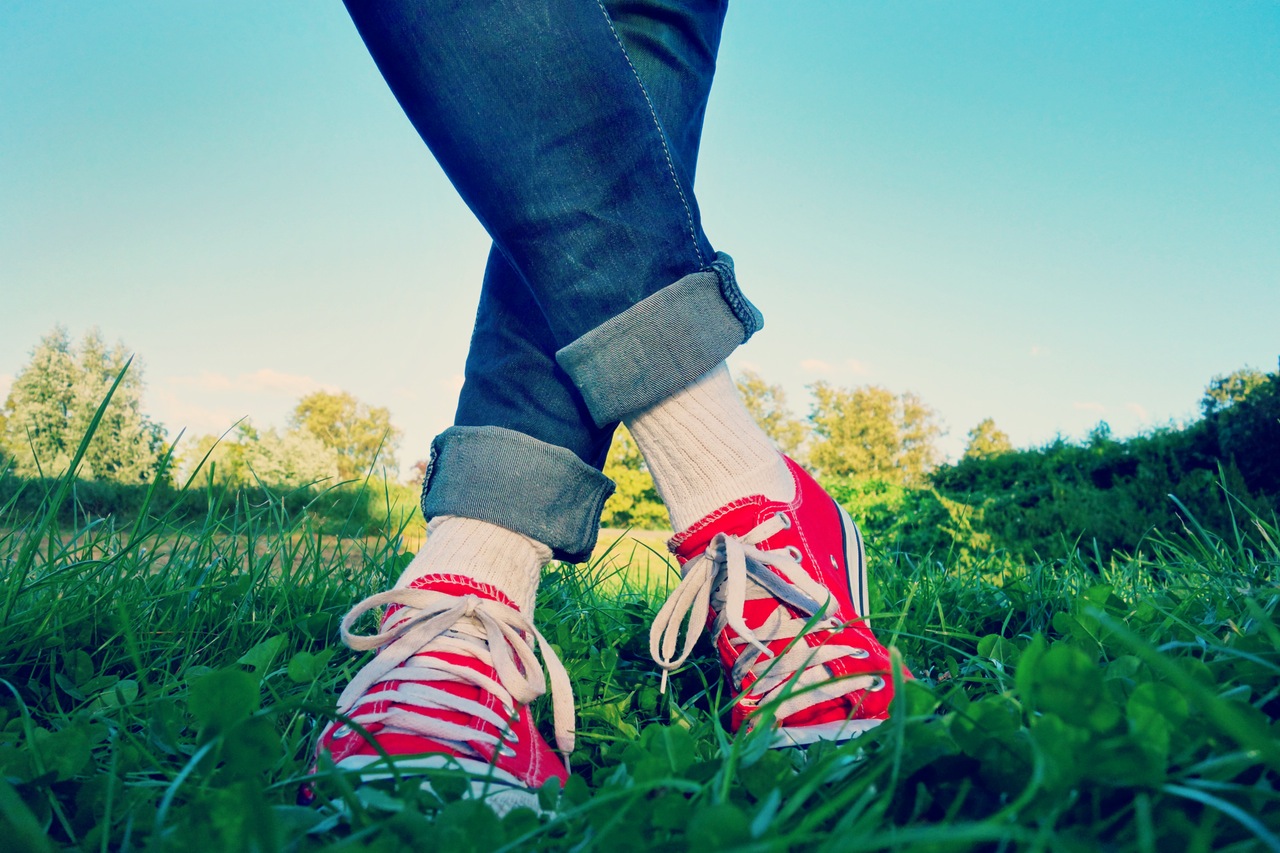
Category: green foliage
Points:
column 366, row 507
column 1223, row 392
column 1104, row 496
column 922, row 522
column 768, row 406
column 54, row 398
column 635, row 501
column 872, row 432
column 361, row 435
column 986, row 439
column 291, row 459
column 1247, row 428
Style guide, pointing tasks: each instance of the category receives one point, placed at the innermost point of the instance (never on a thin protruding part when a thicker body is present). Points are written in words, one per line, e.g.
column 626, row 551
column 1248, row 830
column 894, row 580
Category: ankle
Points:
column 705, row 450
column 483, row 552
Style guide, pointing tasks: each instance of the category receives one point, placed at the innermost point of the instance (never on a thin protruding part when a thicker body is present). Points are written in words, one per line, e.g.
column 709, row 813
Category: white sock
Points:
column 483, row 552
column 705, row 450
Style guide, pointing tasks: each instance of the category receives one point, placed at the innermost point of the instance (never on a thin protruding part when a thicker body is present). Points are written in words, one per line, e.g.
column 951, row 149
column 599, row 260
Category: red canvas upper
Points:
column 533, row 761
column 830, row 556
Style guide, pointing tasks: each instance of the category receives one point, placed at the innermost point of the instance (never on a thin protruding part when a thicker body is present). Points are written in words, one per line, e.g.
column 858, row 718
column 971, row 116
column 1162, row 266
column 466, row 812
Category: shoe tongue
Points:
column 735, row 519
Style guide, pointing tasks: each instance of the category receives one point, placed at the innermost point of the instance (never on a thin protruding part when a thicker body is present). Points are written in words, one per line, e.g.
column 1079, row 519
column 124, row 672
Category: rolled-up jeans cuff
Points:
column 518, row 482
column 662, row 344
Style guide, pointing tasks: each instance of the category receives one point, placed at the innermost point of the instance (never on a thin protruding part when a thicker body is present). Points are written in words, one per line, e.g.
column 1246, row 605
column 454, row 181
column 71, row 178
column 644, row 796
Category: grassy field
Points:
column 160, row 687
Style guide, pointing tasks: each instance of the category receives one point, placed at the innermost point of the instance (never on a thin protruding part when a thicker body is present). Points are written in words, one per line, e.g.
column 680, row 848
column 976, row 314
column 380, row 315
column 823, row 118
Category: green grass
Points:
column 161, row 684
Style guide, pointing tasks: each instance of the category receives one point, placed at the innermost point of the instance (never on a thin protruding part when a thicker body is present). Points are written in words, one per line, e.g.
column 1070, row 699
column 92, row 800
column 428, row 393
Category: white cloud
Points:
column 1139, row 410
column 857, row 368
column 1088, row 407
column 212, row 402
column 179, row 414
column 816, row 365
column 264, row 381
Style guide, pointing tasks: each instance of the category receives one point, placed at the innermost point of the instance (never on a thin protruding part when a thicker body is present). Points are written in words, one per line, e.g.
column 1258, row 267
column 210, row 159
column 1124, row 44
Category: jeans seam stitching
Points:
column 666, row 151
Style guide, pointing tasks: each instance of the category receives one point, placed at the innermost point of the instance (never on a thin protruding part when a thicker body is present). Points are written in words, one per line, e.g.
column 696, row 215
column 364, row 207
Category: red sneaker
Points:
column 784, row 590
column 450, row 688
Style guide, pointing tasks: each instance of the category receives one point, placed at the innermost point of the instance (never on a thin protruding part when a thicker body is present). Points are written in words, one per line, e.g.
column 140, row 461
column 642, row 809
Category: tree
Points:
column 52, row 404
column 290, row 460
column 361, row 435
column 768, row 406
column 219, row 457
column 249, row 457
column 1224, row 392
column 986, row 440
column 871, row 432
column 1245, row 419
column 418, row 473
column 635, row 502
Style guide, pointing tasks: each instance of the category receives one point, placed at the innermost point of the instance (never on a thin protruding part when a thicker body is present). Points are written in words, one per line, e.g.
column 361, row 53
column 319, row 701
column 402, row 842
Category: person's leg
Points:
column 562, row 155
column 521, row 466
column 515, row 390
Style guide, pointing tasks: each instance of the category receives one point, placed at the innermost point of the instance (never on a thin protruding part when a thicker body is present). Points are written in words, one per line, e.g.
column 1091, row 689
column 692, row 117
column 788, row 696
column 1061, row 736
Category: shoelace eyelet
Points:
column 340, row 732
column 785, row 519
column 860, row 654
column 794, row 553
column 876, row 685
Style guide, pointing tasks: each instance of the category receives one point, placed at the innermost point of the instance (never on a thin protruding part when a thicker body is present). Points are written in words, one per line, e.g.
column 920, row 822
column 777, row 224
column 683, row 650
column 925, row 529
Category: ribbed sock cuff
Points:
column 484, row 552
column 705, row 450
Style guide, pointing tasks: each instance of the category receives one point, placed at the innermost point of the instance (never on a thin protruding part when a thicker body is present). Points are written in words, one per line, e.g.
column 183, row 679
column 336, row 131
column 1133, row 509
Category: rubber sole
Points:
column 838, row 731
column 856, row 560
column 496, row 788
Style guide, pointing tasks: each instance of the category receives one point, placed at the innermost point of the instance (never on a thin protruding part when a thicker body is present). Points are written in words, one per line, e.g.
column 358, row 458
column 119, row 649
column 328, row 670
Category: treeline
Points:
column 873, row 449
column 1099, row 497
column 330, row 462
column 875, row 452
column 1105, row 495
column 363, row 508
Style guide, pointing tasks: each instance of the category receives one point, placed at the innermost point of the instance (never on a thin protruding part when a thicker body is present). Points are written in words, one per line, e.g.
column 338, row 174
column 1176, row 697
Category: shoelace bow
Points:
column 467, row 625
column 733, row 571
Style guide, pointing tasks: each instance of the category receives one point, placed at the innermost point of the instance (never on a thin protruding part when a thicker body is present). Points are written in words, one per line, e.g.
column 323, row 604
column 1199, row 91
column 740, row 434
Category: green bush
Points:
column 362, row 508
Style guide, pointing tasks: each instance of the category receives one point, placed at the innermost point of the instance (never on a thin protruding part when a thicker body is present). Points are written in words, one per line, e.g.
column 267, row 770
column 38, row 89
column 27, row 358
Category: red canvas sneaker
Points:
column 449, row 689
column 783, row 588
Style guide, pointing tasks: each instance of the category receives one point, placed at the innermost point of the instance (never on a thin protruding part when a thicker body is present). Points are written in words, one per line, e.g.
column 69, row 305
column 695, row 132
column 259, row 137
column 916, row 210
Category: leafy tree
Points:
column 635, row 502
column 291, row 459
column 987, row 439
column 768, row 405
column 249, row 457
column 52, row 403
column 872, row 432
column 1223, row 392
column 418, row 473
column 361, row 435
column 1247, row 426
column 220, row 457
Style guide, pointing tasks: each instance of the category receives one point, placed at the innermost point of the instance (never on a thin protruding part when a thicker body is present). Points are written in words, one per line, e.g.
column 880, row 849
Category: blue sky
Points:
column 1046, row 214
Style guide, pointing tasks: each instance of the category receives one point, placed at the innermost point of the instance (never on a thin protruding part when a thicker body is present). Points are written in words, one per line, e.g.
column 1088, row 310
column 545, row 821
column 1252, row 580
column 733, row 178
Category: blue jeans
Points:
column 571, row 129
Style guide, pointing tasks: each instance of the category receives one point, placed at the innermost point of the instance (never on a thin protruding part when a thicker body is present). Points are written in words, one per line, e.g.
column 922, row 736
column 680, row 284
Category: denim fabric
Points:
column 660, row 345
column 510, row 479
column 571, row 129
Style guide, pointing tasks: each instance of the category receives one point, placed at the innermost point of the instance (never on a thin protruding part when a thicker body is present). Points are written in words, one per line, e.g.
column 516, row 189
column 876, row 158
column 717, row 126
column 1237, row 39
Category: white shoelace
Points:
column 468, row 625
column 733, row 571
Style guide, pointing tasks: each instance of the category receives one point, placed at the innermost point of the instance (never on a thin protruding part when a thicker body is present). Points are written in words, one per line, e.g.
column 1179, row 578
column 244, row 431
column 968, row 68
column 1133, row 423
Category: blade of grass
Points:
column 27, row 554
